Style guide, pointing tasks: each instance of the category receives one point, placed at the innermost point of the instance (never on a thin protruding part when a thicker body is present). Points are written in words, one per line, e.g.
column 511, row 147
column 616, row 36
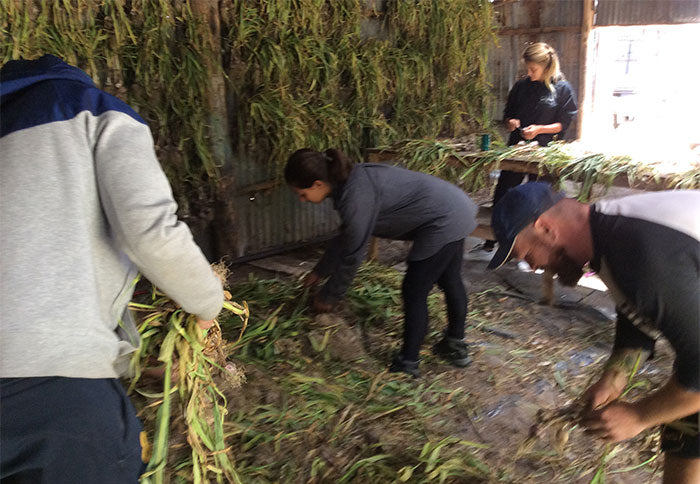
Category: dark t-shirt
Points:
column 392, row 203
column 647, row 251
column 533, row 103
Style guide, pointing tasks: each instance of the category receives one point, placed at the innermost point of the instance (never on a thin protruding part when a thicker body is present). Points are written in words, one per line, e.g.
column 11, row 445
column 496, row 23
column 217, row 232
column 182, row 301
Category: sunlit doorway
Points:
column 643, row 92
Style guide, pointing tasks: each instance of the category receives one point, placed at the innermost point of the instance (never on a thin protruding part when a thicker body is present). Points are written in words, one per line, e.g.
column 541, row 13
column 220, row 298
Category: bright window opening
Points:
column 643, row 93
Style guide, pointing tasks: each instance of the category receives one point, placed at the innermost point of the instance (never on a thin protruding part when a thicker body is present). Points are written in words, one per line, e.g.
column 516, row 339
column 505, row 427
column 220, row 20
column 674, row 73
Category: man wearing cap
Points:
column 646, row 248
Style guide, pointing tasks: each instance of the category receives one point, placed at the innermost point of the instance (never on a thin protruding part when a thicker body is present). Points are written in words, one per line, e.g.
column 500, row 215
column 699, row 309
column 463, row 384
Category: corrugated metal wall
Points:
column 271, row 217
column 646, row 12
column 555, row 22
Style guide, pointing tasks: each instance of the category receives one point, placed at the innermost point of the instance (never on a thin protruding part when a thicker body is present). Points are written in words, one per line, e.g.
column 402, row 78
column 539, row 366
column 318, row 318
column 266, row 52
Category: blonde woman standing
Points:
column 538, row 108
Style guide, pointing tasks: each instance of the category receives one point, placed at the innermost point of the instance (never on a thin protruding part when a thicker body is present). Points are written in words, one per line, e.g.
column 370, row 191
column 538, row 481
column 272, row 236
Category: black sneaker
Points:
column 398, row 364
column 454, row 350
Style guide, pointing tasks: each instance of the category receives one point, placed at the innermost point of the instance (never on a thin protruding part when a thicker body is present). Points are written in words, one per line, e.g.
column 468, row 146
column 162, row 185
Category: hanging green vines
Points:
column 300, row 72
column 316, row 73
column 565, row 161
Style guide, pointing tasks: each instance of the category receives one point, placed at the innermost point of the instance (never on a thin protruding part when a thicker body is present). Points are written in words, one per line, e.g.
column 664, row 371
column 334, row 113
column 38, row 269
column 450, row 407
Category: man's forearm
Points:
column 669, row 403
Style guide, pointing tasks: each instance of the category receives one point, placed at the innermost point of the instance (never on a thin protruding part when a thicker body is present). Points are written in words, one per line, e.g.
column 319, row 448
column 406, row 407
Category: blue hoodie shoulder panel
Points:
column 44, row 90
column 56, row 100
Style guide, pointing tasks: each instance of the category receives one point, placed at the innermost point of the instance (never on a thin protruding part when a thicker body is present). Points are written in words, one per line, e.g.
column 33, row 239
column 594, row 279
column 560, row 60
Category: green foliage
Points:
column 301, row 72
column 150, row 56
column 190, row 358
column 565, row 161
column 309, row 73
column 314, row 408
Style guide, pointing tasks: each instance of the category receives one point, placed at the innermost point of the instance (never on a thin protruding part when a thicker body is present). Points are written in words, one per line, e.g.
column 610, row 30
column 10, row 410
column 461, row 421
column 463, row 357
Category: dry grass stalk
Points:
column 193, row 360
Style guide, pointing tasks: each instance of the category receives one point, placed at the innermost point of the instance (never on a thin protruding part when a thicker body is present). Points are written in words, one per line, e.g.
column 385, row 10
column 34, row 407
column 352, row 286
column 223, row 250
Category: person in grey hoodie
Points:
column 393, row 203
column 84, row 206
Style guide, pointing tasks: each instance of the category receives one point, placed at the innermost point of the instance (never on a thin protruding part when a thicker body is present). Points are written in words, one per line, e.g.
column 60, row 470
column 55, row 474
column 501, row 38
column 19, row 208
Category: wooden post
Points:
column 373, row 251
column 225, row 230
column 586, row 27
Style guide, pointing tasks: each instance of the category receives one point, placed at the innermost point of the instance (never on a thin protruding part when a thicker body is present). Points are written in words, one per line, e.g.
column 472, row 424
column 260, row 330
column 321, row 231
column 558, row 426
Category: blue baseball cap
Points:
column 518, row 208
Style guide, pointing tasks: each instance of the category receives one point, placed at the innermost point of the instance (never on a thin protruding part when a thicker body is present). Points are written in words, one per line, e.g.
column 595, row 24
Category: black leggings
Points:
column 507, row 180
column 445, row 269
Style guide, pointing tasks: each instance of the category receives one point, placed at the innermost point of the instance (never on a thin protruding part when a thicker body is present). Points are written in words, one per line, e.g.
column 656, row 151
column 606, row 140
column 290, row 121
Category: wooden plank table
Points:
column 483, row 230
column 662, row 182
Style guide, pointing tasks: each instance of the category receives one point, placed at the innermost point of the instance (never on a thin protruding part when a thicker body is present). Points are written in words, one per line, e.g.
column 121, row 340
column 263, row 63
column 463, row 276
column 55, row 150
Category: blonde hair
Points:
column 544, row 55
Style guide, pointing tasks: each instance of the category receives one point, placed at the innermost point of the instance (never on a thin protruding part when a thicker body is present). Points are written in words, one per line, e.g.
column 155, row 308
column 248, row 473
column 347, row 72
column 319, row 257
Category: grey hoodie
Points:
column 84, row 205
column 392, row 203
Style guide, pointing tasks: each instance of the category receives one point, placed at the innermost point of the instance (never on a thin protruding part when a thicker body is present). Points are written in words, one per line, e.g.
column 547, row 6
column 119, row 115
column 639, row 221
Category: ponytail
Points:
column 305, row 166
column 339, row 165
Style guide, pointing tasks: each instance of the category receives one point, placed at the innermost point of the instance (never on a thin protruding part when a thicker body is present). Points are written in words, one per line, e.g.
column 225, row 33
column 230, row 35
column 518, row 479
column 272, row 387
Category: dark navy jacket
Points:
column 533, row 103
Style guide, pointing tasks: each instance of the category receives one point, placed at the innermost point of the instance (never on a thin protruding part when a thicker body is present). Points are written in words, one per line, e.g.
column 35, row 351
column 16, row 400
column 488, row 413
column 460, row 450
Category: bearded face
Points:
column 568, row 271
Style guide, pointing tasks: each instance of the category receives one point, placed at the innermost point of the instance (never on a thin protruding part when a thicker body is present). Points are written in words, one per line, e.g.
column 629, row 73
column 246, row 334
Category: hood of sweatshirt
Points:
column 45, row 90
column 17, row 75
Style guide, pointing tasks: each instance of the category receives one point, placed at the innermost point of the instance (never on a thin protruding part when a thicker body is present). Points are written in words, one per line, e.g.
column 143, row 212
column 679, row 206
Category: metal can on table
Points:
column 485, row 142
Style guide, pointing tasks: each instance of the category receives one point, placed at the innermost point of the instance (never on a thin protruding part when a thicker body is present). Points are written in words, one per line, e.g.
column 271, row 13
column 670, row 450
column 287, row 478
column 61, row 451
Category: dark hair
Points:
column 305, row 166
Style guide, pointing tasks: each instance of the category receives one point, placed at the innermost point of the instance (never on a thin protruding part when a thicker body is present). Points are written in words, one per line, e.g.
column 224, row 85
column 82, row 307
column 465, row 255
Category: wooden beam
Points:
column 373, row 249
column 539, row 30
column 381, row 156
column 483, row 231
column 586, row 27
column 259, row 187
column 224, row 231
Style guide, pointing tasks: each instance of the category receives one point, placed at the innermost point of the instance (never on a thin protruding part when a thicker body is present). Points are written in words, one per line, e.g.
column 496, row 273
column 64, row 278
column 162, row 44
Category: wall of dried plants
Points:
column 218, row 80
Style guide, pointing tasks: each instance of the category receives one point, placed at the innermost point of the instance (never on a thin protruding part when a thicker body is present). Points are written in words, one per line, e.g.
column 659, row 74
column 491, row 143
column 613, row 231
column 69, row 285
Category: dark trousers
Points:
column 445, row 269
column 506, row 181
column 57, row 430
column 509, row 179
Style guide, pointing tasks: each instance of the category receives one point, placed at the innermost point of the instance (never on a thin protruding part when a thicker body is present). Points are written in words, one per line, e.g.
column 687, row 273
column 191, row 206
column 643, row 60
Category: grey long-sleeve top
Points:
column 392, row 203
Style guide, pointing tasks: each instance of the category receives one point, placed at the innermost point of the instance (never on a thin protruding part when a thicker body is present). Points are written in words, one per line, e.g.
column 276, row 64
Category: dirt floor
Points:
column 319, row 406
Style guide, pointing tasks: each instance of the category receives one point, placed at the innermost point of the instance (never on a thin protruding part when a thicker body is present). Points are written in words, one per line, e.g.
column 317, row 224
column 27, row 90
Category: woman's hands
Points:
column 529, row 132
column 311, row 281
column 533, row 130
column 512, row 124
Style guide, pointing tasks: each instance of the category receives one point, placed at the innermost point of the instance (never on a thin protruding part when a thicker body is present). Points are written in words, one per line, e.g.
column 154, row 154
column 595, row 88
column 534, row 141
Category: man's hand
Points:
column 205, row 324
column 606, row 390
column 311, row 280
column 321, row 306
column 530, row 132
column 615, row 422
column 512, row 124
column 618, row 370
